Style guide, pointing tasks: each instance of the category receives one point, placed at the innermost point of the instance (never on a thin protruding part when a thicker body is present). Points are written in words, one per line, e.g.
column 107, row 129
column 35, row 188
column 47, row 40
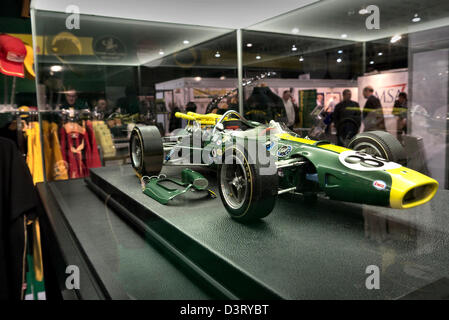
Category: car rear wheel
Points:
column 146, row 150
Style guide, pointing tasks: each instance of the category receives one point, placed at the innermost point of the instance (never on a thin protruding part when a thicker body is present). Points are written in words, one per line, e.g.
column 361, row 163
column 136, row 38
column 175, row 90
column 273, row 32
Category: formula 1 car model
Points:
column 257, row 162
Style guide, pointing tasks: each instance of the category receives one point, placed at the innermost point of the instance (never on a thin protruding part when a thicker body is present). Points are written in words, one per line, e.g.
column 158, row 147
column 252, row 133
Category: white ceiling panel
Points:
column 232, row 14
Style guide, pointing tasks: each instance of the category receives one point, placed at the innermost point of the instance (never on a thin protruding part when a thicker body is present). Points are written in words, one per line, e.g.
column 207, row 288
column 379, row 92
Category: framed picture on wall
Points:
column 319, row 99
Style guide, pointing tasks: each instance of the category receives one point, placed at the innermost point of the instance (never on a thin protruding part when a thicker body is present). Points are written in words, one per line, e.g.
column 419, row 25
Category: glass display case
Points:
column 109, row 78
column 327, row 73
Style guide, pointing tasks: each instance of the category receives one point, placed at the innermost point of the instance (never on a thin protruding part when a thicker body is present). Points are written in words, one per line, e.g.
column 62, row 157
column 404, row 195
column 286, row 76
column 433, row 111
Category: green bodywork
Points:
column 334, row 179
column 324, row 172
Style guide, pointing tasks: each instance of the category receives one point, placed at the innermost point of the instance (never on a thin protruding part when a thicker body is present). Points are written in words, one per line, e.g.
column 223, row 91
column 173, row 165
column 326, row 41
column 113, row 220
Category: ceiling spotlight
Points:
column 396, row 38
column 197, row 79
column 416, row 18
column 294, row 48
column 186, row 42
column 339, row 60
column 344, row 35
column 161, row 52
column 371, row 62
column 249, row 45
column 222, row 78
column 217, row 55
column 56, row 68
column 340, row 51
column 363, row 11
column 380, row 53
column 295, row 30
column 301, row 59
column 258, row 57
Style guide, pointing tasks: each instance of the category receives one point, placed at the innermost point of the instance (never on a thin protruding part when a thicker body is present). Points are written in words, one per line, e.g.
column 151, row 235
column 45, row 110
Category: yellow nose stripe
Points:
column 403, row 180
column 331, row 147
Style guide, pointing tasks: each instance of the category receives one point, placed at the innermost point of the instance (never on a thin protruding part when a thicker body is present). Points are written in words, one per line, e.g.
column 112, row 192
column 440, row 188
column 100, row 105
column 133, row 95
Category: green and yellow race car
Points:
column 257, row 162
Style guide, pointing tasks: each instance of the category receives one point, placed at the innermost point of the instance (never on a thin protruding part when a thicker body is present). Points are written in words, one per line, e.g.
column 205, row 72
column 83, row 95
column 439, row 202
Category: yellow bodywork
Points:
column 405, row 180
column 328, row 146
column 203, row 119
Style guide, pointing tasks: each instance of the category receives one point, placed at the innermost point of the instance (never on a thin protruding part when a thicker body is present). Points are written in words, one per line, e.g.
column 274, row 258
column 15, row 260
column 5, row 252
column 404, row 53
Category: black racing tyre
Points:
column 146, row 150
column 381, row 144
column 247, row 189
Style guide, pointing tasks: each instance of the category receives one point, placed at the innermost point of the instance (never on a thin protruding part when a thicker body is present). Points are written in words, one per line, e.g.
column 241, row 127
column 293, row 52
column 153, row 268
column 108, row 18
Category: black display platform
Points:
column 299, row 251
column 114, row 261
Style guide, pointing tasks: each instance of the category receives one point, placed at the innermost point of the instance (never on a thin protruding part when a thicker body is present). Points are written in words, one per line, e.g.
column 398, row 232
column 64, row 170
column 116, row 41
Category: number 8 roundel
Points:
column 361, row 161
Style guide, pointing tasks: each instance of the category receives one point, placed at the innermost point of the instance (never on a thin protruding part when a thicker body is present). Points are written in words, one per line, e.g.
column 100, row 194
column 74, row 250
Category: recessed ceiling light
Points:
column 217, row 55
column 371, row 62
column 344, row 35
column 186, row 42
column 161, row 52
column 339, row 60
column 380, row 53
column 301, row 59
column 363, row 11
column 222, row 78
column 340, row 51
column 258, row 57
column 295, row 30
column 396, row 38
column 56, row 68
column 249, row 45
column 294, row 48
column 198, row 79
column 416, row 18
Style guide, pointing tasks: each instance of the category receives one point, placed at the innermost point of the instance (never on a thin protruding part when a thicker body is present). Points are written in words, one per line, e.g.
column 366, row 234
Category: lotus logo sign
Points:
column 379, row 185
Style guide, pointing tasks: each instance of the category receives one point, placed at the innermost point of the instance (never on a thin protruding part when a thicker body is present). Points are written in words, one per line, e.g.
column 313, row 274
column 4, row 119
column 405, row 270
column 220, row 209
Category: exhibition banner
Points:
column 387, row 87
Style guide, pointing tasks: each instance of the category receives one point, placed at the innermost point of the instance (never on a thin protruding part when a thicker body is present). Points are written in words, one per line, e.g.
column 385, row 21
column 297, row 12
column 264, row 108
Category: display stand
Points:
column 200, row 261
column 298, row 252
